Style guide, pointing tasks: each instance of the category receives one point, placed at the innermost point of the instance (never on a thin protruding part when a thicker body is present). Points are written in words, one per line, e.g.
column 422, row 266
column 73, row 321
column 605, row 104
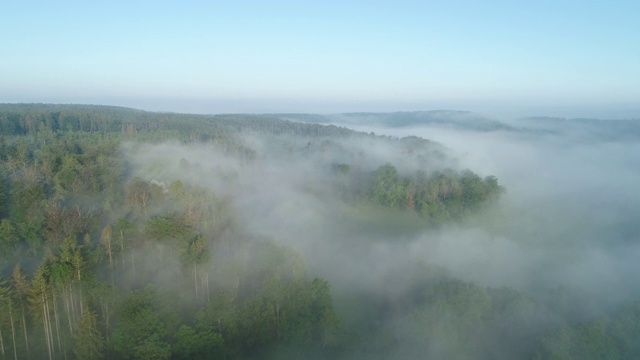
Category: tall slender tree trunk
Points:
column 24, row 328
column 106, row 240
column 110, row 255
column 207, row 275
column 124, row 267
column 72, row 303
column 48, row 312
column 67, row 308
column 1, row 343
column 57, row 322
column 76, row 303
column 236, row 285
column 45, row 325
column 80, row 293
column 13, row 333
column 105, row 312
column 278, row 322
column 111, row 271
column 195, row 278
column 133, row 264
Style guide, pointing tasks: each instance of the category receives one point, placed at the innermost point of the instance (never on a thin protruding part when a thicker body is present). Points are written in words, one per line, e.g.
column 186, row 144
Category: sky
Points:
column 557, row 58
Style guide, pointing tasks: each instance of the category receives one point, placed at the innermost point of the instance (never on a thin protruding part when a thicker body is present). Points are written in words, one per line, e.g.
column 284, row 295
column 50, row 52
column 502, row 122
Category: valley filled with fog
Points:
column 569, row 215
column 438, row 234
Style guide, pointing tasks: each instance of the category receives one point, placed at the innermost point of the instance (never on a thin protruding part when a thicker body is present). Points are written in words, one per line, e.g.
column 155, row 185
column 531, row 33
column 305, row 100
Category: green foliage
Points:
column 451, row 318
column 167, row 228
column 9, row 239
column 113, row 266
column 221, row 316
column 584, row 341
column 387, row 189
column 204, row 344
column 145, row 321
column 4, row 193
column 438, row 198
column 89, row 344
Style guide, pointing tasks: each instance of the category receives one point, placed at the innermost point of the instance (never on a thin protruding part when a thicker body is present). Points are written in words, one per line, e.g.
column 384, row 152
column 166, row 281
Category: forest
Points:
column 127, row 234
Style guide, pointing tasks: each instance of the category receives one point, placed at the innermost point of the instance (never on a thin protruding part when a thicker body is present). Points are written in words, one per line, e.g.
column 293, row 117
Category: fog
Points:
column 569, row 215
column 568, row 218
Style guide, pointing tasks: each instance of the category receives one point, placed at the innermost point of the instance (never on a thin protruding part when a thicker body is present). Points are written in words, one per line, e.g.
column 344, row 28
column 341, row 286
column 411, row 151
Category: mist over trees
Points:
column 136, row 235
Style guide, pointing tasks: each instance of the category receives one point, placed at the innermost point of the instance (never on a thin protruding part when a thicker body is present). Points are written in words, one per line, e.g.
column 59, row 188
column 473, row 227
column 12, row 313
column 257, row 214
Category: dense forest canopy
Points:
column 137, row 235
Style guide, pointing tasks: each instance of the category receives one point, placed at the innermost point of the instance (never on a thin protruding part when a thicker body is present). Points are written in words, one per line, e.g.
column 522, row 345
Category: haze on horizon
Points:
column 499, row 58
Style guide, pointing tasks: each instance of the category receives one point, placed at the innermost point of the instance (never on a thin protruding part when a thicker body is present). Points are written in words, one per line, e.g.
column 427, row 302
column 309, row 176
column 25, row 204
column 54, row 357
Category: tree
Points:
column 9, row 238
column 387, row 190
column 197, row 254
column 204, row 344
column 71, row 264
column 152, row 349
column 221, row 316
column 106, row 239
column 4, row 204
column 146, row 319
column 89, row 344
column 451, row 319
column 21, row 290
column 40, row 300
column 139, row 193
column 6, row 305
column 123, row 230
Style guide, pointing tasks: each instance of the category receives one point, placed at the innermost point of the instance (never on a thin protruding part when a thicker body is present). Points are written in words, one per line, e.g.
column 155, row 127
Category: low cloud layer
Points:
column 568, row 218
column 568, row 215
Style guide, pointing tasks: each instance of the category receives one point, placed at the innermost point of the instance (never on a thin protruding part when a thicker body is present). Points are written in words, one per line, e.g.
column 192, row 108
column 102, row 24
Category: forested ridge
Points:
column 105, row 254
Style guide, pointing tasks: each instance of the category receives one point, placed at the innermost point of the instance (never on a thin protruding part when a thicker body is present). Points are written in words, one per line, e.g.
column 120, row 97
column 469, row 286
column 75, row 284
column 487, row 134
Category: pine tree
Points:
column 89, row 343
column 21, row 289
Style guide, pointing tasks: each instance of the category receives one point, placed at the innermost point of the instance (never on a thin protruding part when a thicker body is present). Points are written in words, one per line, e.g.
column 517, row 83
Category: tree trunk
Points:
column 49, row 327
column 111, row 270
column 24, row 328
column 81, row 307
column 44, row 324
column 133, row 265
column 57, row 322
column 278, row 322
column 80, row 293
column 207, row 275
column 122, row 250
column 13, row 333
column 195, row 278
column 106, row 323
column 67, row 307
column 72, row 304
column 1, row 342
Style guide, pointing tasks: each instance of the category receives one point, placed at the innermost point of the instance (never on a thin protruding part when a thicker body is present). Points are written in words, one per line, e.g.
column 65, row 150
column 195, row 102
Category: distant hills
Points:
column 581, row 129
column 454, row 119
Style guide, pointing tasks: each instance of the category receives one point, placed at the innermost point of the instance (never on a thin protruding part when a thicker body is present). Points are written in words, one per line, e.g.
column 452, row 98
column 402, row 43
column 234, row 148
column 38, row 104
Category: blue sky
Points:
column 537, row 57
